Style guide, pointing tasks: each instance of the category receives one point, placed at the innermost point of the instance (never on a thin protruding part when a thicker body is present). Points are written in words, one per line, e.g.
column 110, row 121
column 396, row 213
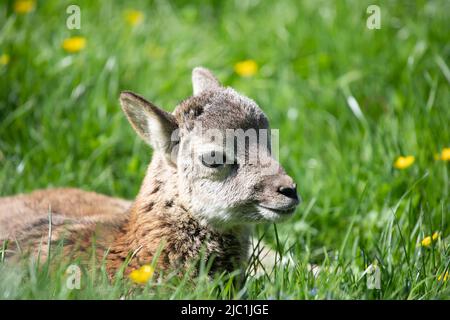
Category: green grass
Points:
column 61, row 125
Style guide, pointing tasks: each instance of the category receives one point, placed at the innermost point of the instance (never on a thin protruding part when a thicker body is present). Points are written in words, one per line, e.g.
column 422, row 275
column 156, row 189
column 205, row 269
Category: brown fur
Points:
column 158, row 218
column 184, row 209
column 155, row 219
column 76, row 216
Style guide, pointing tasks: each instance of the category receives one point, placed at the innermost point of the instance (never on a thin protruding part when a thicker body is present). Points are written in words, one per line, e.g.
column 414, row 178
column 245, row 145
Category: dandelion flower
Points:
column 134, row 17
column 4, row 59
column 23, row 6
column 443, row 277
column 426, row 242
column 404, row 162
column 74, row 44
column 435, row 236
column 445, row 154
column 142, row 275
column 246, row 68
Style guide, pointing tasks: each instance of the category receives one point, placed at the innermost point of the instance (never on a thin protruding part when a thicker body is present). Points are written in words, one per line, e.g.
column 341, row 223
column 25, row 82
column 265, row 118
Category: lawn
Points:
column 348, row 101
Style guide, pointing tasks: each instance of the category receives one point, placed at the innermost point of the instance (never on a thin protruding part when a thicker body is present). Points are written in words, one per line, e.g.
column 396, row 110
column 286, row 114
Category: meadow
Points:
column 348, row 102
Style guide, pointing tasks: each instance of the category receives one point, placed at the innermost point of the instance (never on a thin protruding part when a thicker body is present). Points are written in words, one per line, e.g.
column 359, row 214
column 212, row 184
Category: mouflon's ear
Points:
column 154, row 125
column 203, row 79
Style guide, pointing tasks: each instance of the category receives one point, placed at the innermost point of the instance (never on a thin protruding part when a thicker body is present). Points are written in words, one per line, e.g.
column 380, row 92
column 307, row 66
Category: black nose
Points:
column 290, row 192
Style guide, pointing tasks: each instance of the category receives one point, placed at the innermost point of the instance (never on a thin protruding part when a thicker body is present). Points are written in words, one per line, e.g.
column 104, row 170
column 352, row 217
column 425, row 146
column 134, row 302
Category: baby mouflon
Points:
column 211, row 177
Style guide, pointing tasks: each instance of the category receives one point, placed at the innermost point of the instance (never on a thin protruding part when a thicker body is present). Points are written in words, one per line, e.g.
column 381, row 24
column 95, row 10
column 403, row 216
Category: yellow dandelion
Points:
column 445, row 154
column 246, row 68
column 74, row 44
column 142, row 275
column 134, row 17
column 435, row 236
column 426, row 242
column 443, row 277
column 23, row 6
column 404, row 162
column 4, row 59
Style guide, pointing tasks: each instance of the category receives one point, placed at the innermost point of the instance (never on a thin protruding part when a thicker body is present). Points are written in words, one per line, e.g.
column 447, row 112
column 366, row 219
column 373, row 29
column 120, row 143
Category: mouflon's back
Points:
column 74, row 214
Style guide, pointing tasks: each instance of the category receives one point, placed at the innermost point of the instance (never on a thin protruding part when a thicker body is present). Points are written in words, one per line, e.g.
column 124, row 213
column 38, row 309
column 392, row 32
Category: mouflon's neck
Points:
column 159, row 222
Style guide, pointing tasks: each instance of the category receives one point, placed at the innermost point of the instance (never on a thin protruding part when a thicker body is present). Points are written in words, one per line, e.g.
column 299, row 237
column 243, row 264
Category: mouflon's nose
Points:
column 289, row 191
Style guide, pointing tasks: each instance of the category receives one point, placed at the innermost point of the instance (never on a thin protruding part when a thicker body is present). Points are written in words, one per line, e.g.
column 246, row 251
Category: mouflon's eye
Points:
column 213, row 159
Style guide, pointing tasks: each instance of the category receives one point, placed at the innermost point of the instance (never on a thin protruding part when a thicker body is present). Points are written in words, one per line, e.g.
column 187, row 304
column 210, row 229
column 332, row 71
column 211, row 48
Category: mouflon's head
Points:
column 219, row 143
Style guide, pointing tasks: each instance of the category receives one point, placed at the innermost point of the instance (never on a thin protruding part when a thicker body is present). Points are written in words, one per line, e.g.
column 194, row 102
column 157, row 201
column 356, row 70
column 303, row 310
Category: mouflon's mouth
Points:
column 280, row 210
